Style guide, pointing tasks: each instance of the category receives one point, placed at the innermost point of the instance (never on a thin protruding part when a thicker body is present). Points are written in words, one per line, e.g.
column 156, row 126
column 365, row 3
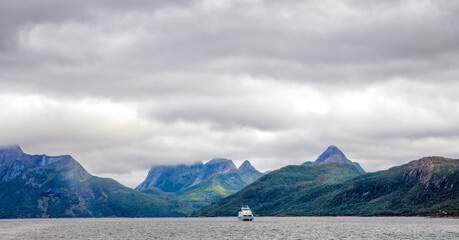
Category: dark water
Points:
column 231, row 228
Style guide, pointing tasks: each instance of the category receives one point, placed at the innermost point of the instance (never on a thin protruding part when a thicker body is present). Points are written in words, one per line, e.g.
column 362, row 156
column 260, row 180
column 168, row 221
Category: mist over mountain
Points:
column 178, row 177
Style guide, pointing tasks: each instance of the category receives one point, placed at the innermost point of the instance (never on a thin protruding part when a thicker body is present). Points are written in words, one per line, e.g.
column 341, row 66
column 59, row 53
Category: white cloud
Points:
column 87, row 123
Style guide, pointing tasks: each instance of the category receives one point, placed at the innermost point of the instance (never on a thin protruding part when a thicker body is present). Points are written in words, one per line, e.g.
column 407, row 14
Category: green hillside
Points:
column 203, row 193
column 424, row 187
column 60, row 197
column 274, row 192
column 211, row 190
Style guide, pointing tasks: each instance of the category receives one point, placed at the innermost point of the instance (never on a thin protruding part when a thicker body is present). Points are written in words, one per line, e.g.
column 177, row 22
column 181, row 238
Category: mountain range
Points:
column 174, row 178
column 42, row 186
column 37, row 186
column 198, row 184
column 428, row 186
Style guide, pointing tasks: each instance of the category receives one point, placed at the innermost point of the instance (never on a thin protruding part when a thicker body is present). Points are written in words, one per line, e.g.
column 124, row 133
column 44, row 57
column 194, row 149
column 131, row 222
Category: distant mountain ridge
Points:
column 219, row 186
column 42, row 186
column 333, row 155
column 199, row 184
column 173, row 178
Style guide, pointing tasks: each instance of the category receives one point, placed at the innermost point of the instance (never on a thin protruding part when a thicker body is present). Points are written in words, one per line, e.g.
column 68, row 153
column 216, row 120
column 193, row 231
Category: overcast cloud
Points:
column 123, row 86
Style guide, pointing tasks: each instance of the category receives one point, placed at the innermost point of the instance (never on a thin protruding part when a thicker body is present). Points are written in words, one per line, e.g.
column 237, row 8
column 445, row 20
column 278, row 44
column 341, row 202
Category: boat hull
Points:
column 245, row 218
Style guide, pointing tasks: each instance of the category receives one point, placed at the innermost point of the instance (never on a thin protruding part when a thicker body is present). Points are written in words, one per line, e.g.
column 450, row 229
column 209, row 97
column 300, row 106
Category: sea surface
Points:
column 231, row 228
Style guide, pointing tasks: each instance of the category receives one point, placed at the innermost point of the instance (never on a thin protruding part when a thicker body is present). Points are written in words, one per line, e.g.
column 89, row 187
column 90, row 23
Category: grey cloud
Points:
column 331, row 35
column 125, row 85
column 17, row 14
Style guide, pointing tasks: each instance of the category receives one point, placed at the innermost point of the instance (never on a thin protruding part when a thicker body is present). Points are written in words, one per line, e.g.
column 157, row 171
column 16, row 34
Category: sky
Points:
column 126, row 85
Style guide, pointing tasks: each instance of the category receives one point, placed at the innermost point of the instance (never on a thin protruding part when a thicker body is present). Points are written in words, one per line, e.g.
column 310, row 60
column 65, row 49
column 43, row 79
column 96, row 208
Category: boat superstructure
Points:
column 245, row 214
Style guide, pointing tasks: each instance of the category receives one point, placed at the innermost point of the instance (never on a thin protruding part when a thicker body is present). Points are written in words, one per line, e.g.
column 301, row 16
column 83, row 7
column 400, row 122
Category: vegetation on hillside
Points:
column 203, row 193
column 425, row 187
column 274, row 191
column 57, row 191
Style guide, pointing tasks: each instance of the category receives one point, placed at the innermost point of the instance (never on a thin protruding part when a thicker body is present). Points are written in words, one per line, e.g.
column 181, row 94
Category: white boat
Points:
column 245, row 214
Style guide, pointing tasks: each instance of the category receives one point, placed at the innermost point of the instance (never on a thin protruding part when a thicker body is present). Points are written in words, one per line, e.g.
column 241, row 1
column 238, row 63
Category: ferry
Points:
column 245, row 214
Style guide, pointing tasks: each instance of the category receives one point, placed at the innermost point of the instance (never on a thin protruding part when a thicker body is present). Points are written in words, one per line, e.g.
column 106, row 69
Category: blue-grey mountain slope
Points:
column 34, row 186
column 174, row 178
column 248, row 173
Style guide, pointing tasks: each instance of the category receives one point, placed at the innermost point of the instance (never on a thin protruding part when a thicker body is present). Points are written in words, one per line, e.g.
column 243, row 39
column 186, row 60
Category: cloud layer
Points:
column 125, row 86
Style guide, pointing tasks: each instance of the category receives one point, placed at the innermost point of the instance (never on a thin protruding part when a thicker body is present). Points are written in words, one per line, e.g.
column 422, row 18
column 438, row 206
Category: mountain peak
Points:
column 246, row 164
column 332, row 154
column 248, row 173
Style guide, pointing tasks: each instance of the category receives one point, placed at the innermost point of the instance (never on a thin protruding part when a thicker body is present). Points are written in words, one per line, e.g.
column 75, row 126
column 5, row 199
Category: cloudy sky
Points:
column 125, row 85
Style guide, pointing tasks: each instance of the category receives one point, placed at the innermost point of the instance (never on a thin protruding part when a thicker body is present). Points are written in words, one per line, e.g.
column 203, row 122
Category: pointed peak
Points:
column 332, row 147
column 332, row 152
column 333, row 155
column 246, row 163
column 246, row 166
